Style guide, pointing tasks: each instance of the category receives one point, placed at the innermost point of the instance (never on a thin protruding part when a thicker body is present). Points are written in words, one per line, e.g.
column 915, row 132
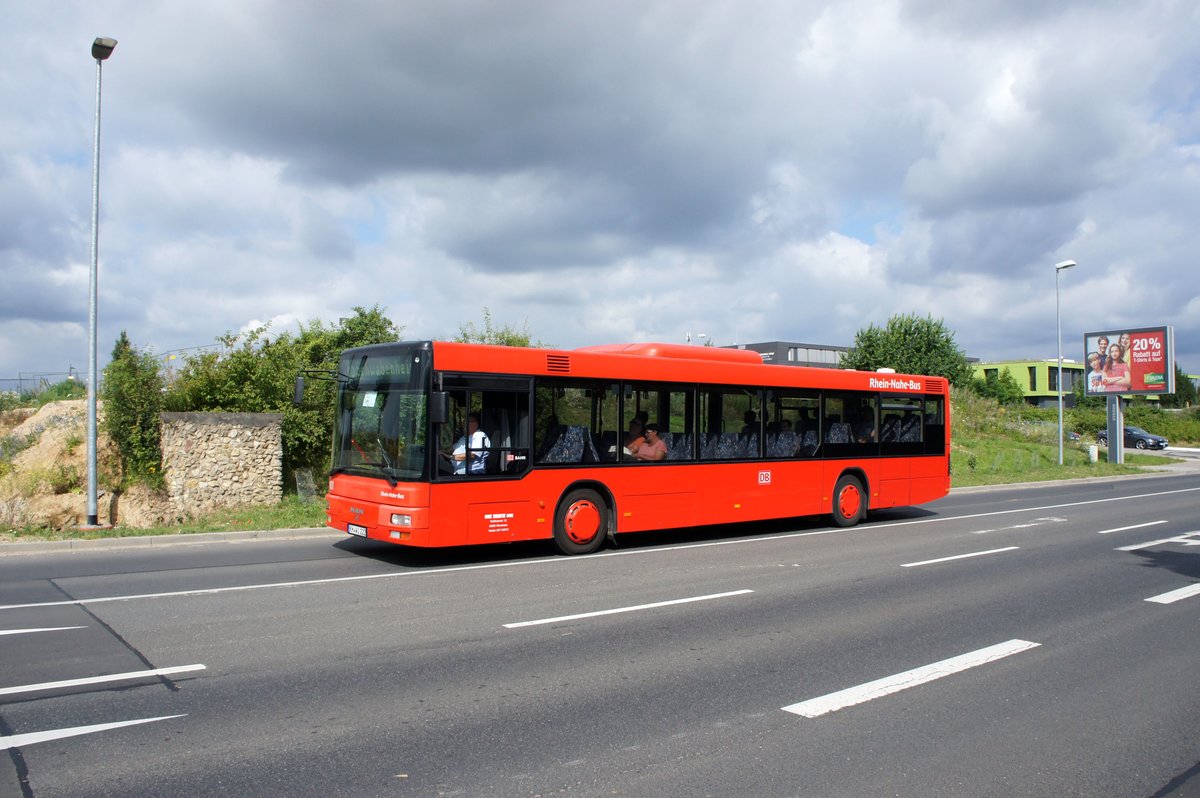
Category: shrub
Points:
column 132, row 394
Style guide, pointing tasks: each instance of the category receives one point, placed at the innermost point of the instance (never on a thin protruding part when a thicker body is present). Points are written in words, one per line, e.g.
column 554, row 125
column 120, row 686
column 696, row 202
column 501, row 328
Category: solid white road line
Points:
column 1184, row 538
column 815, row 707
column 1126, row 528
column 626, row 609
column 112, row 677
column 567, row 561
column 20, row 740
column 959, row 557
column 1177, row 595
column 32, row 631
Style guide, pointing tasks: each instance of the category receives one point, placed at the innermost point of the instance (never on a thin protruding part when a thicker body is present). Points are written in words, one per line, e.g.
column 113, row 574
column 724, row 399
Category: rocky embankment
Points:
column 43, row 473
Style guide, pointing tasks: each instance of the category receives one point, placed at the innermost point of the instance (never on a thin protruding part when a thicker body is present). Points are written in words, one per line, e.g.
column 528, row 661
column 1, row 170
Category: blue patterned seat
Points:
column 910, row 430
column 679, row 445
column 784, row 444
column 572, row 447
column 839, row 433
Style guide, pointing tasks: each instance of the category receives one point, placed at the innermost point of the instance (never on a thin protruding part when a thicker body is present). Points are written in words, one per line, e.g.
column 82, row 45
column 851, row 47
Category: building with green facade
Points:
column 1037, row 378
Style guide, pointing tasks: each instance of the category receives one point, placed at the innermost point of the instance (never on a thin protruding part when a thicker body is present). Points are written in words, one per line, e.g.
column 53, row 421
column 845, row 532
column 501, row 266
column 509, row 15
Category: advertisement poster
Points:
column 1129, row 362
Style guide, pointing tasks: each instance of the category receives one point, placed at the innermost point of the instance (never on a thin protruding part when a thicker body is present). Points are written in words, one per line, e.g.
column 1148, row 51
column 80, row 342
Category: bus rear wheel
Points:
column 581, row 522
column 849, row 501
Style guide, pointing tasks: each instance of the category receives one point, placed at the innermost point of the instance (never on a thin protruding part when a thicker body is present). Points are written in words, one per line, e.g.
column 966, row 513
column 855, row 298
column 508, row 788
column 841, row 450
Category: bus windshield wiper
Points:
column 386, row 471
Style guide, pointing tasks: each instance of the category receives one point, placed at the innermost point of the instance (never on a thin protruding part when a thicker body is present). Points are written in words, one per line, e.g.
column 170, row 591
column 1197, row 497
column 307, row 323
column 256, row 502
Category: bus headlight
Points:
column 399, row 519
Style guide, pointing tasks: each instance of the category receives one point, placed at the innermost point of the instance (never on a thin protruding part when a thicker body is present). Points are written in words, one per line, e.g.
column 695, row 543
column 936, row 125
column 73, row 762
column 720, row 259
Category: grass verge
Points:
column 291, row 513
column 1001, row 461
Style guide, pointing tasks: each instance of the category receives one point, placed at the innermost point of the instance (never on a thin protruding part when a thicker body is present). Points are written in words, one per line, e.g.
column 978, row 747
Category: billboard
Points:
column 1138, row 362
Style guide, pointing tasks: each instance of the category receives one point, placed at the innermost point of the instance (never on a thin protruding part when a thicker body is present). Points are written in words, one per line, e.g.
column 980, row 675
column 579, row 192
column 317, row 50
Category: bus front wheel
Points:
column 849, row 501
column 581, row 522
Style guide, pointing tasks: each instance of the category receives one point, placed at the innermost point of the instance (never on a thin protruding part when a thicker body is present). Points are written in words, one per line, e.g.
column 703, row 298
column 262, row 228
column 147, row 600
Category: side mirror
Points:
column 298, row 395
column 439, row 407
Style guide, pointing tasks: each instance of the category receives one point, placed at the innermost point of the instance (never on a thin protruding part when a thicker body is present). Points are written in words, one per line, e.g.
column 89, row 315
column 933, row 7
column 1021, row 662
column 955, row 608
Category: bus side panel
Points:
column 930, row 479
column 643, row 511
column 665, row 497
column 500, row 522
column 894, row 476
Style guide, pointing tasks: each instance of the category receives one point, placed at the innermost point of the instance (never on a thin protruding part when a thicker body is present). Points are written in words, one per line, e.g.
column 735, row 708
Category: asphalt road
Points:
column 1034, row 641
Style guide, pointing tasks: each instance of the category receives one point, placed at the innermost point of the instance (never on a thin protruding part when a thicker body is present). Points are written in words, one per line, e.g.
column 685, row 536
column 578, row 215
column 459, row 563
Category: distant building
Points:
column 1037, row 378
column 790, row 353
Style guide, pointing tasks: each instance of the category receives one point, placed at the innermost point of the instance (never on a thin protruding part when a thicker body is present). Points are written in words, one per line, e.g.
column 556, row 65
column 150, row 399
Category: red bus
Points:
column 450, row 444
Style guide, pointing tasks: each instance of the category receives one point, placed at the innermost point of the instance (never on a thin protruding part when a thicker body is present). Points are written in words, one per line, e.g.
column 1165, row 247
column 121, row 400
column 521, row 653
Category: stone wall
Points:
column 214, row 460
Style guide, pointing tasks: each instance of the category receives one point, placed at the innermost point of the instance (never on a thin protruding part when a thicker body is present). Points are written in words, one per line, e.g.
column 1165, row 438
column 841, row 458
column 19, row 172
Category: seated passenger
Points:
column 652, row 447
column 751, row 422
column 634, row 438
column 864, row 428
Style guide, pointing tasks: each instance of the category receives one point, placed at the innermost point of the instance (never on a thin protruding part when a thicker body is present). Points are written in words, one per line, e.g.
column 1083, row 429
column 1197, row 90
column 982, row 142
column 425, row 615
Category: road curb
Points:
column 158, row 541
column 182, row 539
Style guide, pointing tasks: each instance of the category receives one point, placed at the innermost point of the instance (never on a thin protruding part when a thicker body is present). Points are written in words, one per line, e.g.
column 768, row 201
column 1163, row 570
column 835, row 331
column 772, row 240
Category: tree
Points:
column 490, row 334
column 255, row 373
column 133, row 396
column 1185, row 391
column 910, row 345
column 1001, row 386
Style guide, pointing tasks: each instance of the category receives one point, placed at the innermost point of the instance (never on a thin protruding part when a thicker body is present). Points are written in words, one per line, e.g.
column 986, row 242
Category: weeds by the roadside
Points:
column 997, row 461
column 291, row 513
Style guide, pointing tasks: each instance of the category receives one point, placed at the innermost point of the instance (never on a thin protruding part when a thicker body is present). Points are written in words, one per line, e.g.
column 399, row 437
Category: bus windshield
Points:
column 381, row 425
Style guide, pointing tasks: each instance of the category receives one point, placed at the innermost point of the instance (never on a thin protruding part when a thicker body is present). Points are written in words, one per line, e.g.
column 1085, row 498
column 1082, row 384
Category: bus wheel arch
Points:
column 850, row 496
column 583, row 518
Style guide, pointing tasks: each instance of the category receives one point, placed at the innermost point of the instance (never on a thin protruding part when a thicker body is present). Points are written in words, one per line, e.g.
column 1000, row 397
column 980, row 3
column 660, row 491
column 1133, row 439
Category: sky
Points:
column 600, row 172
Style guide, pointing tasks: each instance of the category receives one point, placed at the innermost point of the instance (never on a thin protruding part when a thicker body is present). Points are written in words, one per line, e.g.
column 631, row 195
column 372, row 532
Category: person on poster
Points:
column 1124, row 341
column 1095, row 377
column 1102, row 348
column 1115, row 371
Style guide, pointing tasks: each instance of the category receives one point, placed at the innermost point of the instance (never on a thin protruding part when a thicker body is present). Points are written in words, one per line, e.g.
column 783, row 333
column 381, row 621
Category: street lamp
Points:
column 101, row 49
column 1058, row 268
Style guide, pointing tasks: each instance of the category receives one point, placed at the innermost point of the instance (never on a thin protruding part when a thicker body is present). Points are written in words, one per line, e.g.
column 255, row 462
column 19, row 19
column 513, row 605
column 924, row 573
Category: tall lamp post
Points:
column 1058, row 268
column 101, row 49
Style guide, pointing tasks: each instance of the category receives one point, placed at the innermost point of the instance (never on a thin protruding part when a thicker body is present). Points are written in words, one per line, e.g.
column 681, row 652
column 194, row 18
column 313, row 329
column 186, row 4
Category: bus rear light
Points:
column 400, row 519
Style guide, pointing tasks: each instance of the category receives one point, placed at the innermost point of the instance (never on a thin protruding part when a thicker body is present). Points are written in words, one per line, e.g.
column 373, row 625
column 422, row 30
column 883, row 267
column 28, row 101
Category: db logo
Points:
column 764, row 477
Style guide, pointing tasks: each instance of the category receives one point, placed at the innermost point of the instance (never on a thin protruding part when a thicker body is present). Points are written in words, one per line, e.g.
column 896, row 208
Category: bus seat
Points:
column 910, row 430
column 589, row 453
column 722, row 446
column 809, row 444
column 783, row 445
column 747, row 447
column 569, row 446
column 680, row 446
column 839, row 432
column 891, row 428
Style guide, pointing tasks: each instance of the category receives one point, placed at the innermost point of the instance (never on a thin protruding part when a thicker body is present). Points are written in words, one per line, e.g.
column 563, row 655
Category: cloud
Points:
column 604, row 172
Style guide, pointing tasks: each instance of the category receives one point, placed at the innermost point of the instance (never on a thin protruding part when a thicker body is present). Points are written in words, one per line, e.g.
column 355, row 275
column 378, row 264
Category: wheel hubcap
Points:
column 849, row 501
column 582, row 521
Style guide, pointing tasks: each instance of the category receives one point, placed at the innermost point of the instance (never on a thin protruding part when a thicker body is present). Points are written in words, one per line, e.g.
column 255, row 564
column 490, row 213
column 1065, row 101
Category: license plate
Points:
column 355, row 529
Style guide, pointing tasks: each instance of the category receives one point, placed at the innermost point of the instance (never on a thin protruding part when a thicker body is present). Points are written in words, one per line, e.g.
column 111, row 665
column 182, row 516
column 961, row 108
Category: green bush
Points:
column 132, row 393
column 256, row 373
